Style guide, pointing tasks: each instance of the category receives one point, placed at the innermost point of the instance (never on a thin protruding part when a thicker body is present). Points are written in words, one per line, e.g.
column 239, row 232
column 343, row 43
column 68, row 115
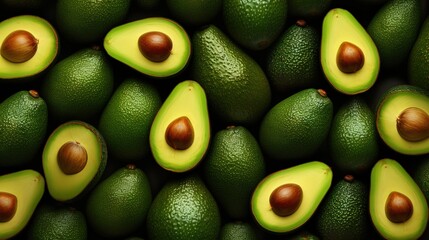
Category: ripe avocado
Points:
column 418, row 73
column 180, row 133
column 235, row 230
column 73, row 160
column 20, row 194
column 398, row 208
column 402, row 119
column 29, row 45
column 155, row 46
column 349, row 56
column 268, row 196
column 308, row 9
column 194, row 13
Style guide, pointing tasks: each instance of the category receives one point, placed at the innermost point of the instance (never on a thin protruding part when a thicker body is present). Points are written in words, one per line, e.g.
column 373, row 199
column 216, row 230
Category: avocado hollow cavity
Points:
column 19, row 46
column 413, row 124
column 8, row 205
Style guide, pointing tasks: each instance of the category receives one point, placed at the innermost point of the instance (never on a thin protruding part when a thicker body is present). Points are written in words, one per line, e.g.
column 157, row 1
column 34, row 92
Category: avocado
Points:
column 118, row 205
column 349, row 57
column 233, row 167
column 353, row 137
column 237, row 88
column 55, row 221
column 398, row 209
column 343, row 214
column 304, row 235
column 421, row 174
column 418, row 73
column 23, row 127
column 20, row 193
column 308, row 9
column 184, row 209
column 29, row 45
column 126, row 129
column 297, row 126
column 79, row 85
column 286, row 199
column 254, row 24
column 180, row 133
column 73, row 160
column 194, row 13
column 402, row 119
column 293, row 61
column 235, row 230
column 394, row 29
column 155, row 46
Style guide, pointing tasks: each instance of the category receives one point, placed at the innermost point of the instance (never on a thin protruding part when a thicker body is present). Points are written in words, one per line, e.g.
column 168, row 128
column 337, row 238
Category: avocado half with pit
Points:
column 155, row 46
column 284, row 200
column 349, row 57
column 29, row 44
column 74, row 159
column 402, row 119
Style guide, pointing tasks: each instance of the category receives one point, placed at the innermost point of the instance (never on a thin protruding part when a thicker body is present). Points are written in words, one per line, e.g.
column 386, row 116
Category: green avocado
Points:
column 397, row 205
column 180, row 132
column 155, row 46
column 29, row 45
column 73, row 159
column 349, row 56
column 20, row 194
column 402, row 119
column 418, row 74
column 304, row 196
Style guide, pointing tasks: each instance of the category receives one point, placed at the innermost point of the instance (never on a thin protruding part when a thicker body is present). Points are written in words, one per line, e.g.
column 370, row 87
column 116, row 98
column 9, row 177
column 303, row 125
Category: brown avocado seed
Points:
column 399, row 207
column 72, row 157
column 19, row 46
column 155, row 46
column 8, row 205
column 350, row 58
column 286, row 199
column 180, row 133
column 413, row 124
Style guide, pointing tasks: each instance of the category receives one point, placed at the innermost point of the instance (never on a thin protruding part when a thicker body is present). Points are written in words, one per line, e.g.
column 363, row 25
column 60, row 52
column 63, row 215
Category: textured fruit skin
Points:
column 418, row 73
column 183, row 209
column 194, row 12
column 308, row 9
column 353, row 139
column 119, row 204
column 394, row 29
column 23, row 126
column 233, row 167
column 85, row 22
column 293, row 62
column 421, row 175
column 238, row 230
column 254, row 24
column 237, row 88
column 126, row 120
column 57, row 222
column 343, row 213
column 296, row 126
column 79, row 86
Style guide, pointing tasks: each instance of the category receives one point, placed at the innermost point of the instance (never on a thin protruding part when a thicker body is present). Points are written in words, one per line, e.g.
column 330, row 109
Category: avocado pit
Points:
column 72, row 157
column 19, row 46
column 350, row 58
column 8, row 205
column 413, row 124
column 180, row 133
column 155, row 46
column 399, row 207
column 286, row 199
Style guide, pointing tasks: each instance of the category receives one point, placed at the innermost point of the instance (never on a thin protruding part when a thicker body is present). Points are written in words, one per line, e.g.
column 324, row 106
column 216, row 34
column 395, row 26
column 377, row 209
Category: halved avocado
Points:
column 268, row 211
column 74, row 158
column 402, row 119
column 349, row 57
column 20, row 193
column 29, row 44
column 180, row 133
column 398, row 207
column 155, row 46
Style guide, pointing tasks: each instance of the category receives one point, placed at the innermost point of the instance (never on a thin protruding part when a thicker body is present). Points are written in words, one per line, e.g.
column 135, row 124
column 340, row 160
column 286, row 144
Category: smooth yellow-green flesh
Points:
column 387, row 176
column 64, row 187
column 47, row 47
column 28, row 186
column 339, row 26
column 186, row 99
column 305, row 175
column 388, row 112
column 121, row 44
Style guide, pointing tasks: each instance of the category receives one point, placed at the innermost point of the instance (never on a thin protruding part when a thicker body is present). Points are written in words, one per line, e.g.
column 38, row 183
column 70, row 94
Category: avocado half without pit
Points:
column 29, row 44
column 155, row 46
column 74, row 158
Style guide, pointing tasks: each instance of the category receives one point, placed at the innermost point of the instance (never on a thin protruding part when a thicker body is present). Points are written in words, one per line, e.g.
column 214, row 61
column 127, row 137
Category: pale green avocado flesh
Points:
column 305, row 175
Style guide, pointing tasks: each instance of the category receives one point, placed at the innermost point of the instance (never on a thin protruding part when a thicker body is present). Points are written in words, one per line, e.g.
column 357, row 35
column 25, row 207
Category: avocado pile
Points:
column 211, row 119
